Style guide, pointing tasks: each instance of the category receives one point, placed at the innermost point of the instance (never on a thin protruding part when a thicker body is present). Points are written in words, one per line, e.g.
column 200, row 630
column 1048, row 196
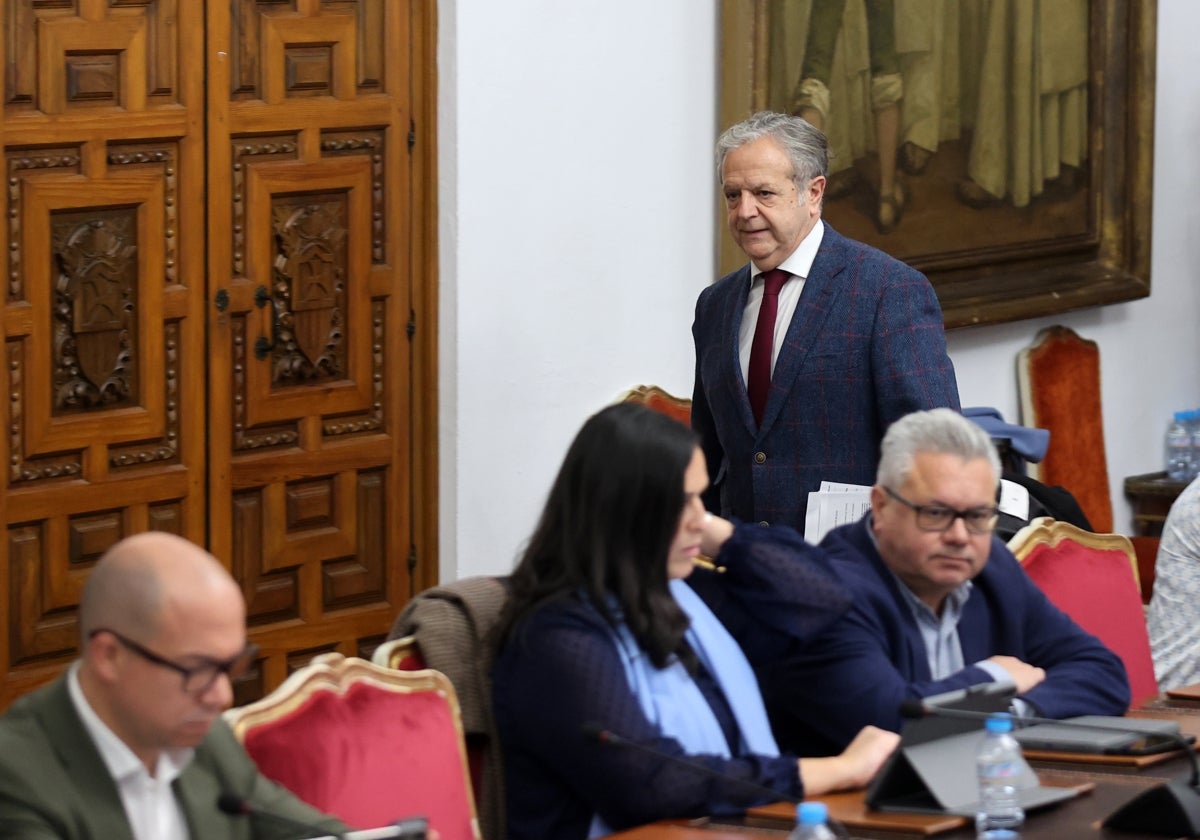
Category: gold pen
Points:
column 704, row 563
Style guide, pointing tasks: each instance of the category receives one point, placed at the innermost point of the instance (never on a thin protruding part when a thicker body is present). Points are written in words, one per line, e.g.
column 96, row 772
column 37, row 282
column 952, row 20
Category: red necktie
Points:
column 759, row 376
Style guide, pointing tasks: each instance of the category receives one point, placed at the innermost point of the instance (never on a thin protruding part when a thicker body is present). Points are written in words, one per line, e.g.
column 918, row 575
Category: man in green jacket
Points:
column 129, row 743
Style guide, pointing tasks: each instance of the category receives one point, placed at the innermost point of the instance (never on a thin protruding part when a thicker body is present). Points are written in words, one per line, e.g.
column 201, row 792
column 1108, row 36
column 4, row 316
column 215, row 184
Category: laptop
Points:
column 1108, row 736
column 933, row 769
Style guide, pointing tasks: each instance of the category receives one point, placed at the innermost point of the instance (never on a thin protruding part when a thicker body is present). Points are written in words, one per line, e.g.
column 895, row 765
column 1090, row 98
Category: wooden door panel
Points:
column 309, row 438
column 103, row 144
column 294, row 362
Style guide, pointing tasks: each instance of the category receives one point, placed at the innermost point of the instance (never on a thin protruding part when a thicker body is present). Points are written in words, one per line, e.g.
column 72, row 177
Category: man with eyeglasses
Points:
column 939, row 604
column 129, row 742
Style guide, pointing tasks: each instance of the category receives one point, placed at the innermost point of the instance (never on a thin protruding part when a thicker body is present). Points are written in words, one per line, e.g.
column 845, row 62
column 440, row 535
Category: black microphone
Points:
column 1171, row 809
column 412, row 828
column 594, row 731
column 234, row 805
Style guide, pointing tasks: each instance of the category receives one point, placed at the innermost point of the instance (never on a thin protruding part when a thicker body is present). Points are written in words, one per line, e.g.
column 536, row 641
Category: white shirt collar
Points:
column 799, row 263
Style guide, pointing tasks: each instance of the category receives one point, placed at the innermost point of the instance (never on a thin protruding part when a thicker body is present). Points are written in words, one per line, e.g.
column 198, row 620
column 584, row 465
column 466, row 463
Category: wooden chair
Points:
column 654, row 397
column 367, row 744
column 1059, row 382
column 450, row 628
column 399, row 654
column 1094, row 579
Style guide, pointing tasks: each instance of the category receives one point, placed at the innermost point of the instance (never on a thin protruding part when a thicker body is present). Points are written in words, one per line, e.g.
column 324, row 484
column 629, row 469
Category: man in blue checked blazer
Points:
column 857, row 339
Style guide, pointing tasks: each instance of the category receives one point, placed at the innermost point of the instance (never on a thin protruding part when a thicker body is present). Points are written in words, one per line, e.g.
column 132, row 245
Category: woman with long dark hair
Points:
column 602, row 633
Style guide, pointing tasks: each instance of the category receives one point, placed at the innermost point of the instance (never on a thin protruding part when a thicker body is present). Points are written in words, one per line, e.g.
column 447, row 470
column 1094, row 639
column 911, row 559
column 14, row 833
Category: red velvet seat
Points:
column 1094, row 579
column 367, row 744
column 401, row 654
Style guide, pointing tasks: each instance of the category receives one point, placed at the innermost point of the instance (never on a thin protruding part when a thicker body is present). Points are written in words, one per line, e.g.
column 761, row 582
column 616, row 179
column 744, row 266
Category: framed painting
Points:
column 1018, row 137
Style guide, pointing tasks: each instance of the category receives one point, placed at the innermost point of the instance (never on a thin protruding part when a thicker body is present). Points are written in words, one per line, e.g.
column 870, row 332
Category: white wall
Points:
column 576, row 228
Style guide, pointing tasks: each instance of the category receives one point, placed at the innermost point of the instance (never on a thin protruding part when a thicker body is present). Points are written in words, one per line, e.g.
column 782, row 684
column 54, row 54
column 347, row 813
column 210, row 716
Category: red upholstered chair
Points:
column 367, row 744
column 651, row 395
column 1059, row 381
column 1094, row 579
column 399, row 654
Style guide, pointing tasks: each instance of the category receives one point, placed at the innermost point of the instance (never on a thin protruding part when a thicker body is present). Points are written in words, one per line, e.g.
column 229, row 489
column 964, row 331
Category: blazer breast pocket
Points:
column 830, row 363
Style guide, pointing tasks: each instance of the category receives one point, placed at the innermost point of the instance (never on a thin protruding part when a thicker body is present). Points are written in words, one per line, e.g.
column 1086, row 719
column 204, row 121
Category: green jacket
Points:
column 54, row 784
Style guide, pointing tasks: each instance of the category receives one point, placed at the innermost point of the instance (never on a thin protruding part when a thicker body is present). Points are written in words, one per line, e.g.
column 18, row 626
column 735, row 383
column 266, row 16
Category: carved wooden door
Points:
column 208, row 309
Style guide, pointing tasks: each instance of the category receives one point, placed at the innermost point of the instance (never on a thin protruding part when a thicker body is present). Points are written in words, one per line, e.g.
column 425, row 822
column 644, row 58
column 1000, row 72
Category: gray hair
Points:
column 803, row 143
column 941, row 431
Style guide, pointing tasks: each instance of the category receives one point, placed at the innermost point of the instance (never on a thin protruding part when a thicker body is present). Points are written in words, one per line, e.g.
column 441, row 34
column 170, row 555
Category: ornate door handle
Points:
column 263, row 346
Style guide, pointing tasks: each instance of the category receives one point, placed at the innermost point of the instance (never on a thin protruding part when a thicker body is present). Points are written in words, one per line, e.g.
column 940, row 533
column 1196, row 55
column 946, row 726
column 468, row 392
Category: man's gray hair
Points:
column 941, row 431
column 803, row 143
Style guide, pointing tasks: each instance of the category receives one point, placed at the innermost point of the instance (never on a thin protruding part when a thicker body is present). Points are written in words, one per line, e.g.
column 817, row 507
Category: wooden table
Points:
column 1114, row 784
column 1151, row 496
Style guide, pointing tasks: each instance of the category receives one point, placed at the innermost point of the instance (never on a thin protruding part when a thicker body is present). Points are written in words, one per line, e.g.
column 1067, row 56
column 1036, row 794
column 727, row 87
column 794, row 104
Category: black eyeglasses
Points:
column 980, row 520
column 199, row 678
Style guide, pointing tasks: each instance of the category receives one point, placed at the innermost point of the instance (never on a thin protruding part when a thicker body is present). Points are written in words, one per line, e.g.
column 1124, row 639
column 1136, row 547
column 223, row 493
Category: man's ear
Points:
column 879, row 497
column 101, row 653
column 815, row 190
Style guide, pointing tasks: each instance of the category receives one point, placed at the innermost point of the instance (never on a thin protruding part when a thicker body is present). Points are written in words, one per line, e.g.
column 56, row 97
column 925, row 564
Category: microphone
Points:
column 1171, row 809
column 413, row 828
column 594, row 731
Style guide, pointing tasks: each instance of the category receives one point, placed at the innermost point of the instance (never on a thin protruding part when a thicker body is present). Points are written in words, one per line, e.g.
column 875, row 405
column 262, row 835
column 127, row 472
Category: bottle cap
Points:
column 999, row 723
column 812, row 813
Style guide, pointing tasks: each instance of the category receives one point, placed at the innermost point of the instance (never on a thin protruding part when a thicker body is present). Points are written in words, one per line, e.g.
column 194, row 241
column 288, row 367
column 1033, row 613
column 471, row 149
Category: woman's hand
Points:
column 856, row 766
column 716, row 532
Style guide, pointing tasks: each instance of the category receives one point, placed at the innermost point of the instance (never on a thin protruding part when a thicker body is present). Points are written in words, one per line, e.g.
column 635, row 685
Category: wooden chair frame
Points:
column 394, row 651
column 1050, row 532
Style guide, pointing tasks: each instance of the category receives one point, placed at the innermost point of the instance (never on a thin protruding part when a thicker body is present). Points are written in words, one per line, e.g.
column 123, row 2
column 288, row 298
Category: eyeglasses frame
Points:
column 245, row 657
column 956, row 514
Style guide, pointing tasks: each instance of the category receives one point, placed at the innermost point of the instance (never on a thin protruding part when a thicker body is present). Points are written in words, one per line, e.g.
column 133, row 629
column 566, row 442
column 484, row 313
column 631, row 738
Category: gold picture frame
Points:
column 1067, row 243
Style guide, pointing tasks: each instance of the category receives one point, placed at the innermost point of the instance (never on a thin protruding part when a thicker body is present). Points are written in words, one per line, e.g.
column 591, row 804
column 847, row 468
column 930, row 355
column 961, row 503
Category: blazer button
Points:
column 760, row 457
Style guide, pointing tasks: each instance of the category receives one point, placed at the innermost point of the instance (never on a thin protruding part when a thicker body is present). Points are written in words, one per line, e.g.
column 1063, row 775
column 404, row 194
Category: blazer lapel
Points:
column 99, row 798
column 731, row 359
column 198, row 791
column 816, row 301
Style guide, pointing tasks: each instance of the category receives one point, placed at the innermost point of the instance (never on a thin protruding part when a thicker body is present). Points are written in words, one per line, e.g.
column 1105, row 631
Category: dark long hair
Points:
column 607, row 528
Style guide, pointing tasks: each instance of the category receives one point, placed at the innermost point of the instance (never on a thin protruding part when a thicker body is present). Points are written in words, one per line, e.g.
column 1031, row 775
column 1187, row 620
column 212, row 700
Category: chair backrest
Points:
column 399, row 654
column 451, row 628
column 367, row 744
column 654, row 397
column 1059, row 382
column 1094, row 579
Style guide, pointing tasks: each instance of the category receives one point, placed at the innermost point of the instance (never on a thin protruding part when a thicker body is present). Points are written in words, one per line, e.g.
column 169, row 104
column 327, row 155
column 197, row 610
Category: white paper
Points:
column 1014, row 499
column 833, row 505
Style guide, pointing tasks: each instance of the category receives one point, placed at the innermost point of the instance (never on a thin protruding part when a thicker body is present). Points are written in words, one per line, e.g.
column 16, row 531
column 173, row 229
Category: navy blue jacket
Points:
column 860, row 670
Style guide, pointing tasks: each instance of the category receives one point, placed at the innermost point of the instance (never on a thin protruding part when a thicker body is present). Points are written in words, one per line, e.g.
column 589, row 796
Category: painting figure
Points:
column 813, row 102
column 1030, row 135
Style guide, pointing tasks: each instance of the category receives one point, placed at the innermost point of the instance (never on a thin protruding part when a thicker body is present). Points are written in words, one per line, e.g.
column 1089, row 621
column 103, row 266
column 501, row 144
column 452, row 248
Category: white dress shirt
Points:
column 150, row 804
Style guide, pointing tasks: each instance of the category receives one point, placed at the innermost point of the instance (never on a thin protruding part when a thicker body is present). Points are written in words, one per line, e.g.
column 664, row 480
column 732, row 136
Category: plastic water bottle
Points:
column 1194, row 428
column 1177, row 448
column 1000, row 815
column 812, row 822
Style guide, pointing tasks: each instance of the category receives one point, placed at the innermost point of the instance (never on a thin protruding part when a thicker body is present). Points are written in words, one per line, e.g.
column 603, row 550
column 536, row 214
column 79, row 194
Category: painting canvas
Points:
column 1001, row 146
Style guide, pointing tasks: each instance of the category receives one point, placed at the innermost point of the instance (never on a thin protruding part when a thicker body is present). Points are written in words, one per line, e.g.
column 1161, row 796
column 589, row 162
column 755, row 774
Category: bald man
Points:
column 129, row 743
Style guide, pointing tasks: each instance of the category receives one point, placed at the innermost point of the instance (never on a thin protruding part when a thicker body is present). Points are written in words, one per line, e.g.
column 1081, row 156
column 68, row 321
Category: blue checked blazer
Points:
column 866, row 346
